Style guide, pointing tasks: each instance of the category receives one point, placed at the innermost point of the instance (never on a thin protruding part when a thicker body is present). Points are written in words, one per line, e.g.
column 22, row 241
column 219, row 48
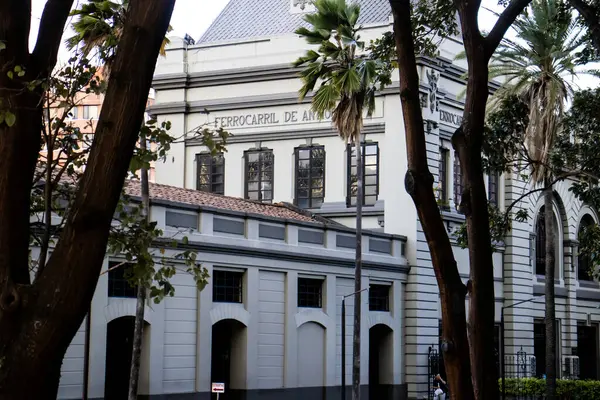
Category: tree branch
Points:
column 505, row 20
column 50, row 33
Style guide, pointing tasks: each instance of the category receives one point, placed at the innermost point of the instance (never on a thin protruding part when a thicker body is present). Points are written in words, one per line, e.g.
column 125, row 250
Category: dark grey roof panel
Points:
column 244, row 19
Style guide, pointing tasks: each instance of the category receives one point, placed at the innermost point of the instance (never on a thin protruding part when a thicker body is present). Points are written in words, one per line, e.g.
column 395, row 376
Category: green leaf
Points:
column 2, row 45
column 10, row 74
column 17, row 68
column 10, row 118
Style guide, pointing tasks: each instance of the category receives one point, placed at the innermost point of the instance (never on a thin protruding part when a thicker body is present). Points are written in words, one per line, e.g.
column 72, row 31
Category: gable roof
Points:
column 244, row 19
column 198, row 198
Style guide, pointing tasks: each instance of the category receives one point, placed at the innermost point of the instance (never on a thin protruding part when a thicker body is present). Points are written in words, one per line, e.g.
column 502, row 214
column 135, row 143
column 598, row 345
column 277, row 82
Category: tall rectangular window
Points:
column 370, row 155
column 310, row 292
column 118, row 283
column 539, row 347
column 74, row 112
column 259, row 175
column 210, row 173
column 443, row 172
column 458, row 181
column 379, row 298
column 493, row 189
column 86, row 112
column 227, row 286
column 310, row 176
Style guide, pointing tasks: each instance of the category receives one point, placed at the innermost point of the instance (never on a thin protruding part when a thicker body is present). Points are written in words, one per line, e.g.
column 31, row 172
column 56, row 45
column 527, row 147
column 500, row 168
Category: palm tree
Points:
column 99, row 27
column 539, row 70
column 347, row 80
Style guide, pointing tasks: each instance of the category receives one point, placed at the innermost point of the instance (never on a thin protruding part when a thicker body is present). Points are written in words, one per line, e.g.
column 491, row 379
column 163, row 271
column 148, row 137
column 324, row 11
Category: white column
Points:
column 290, row 373
column 97, row 358
column 204, row 335
column 157, row 347
column 252, row 284
column 330, row 334
column 364, row 332
column 398, row 344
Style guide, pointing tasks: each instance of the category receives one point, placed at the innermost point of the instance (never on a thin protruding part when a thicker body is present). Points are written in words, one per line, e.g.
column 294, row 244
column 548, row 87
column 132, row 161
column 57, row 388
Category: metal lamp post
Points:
column 344, row 340
column 502, row 337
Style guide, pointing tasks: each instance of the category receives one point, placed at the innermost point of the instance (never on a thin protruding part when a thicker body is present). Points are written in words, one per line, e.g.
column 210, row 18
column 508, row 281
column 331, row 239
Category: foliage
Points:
column 99, row 27
column 566, row 389
column 63, row 157
column 500, row 225
column 347, row 79
column 503, row 142
column 577, row 151
column 538, row 71
column 432, row 22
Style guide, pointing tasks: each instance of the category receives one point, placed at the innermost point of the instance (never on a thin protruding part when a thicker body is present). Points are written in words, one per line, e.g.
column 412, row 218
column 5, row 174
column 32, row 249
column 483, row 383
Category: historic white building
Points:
column 270, row 317
column 239, row 76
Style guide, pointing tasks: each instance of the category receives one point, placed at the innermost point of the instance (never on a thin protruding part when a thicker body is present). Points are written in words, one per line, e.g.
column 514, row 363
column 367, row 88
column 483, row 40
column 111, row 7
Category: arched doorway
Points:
column 119, row 347
column 228, row 360
column 380, row 362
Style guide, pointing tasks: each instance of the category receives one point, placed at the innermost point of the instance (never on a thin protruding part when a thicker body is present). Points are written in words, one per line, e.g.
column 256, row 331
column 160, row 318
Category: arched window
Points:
column 583, row 262
column 540, row 245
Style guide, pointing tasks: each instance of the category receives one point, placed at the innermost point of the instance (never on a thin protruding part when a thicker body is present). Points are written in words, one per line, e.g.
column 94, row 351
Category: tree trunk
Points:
column 38, row 321
column 357, row 272
column 474, row 203
column 419, row 184
column 134, row 375
column 550, row 318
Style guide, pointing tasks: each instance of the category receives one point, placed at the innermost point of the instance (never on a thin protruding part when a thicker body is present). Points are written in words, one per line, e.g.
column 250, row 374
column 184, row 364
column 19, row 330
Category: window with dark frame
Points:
column 210, row 173
column 370, row 155
column 118, row 285
column 493, row 189
column 259, row 175
column 379, row 297
column 443, row 179
column 458, row 184
column 227, row 286
column 583, row 261
column 310, row 176
column 310, row 292
column 540, row 244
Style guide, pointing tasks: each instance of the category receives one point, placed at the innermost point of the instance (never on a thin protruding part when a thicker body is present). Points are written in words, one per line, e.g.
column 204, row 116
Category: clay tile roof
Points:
column 199, row 198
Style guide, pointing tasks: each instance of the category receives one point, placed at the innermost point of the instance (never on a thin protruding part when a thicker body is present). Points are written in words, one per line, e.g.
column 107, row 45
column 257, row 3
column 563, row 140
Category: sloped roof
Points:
column 198, row 198
column 244, row 19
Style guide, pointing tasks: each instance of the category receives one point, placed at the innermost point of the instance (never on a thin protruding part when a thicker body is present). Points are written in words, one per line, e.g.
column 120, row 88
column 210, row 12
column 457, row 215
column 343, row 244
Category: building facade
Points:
column 267, row 325
column 239, row 76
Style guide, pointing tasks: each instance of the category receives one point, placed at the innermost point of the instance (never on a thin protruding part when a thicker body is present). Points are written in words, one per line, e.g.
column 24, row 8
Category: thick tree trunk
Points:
column 467, row 142
column 419, row 184
column 357, row 273
column 38, row 321
column 550, row 318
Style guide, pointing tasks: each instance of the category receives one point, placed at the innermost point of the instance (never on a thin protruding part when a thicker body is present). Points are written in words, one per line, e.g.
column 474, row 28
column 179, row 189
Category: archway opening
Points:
column 587, row 349
column 381, row 357
column 228, row 360
column 119, row 347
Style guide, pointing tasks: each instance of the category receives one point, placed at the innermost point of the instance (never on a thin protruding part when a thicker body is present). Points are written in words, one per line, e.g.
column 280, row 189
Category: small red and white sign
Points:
column 218, row 387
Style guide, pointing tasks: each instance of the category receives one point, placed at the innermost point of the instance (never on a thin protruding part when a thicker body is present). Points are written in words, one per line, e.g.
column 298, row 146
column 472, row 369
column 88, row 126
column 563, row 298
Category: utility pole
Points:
column 344, row 340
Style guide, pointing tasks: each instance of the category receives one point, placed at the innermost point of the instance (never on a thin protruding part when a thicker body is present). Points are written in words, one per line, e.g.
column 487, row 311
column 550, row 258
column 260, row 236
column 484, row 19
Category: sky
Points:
column 195, row 16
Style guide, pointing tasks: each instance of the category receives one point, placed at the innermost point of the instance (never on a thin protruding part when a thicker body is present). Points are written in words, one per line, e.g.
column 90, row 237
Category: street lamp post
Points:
column 502, row 337
column 344, row 340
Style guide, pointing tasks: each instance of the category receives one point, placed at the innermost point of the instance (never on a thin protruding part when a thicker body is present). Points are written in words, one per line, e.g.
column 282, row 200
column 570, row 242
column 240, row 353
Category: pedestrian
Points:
column 441, row 388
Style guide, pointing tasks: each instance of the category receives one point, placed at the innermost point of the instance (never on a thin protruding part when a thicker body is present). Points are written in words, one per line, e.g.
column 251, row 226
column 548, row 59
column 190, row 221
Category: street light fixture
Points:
column 344, row 340
column 502, row 336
